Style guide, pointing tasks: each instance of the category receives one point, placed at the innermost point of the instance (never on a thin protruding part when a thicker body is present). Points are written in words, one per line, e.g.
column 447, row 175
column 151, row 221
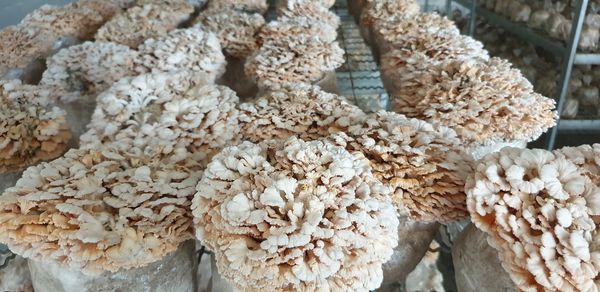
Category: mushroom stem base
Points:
column 175, row 272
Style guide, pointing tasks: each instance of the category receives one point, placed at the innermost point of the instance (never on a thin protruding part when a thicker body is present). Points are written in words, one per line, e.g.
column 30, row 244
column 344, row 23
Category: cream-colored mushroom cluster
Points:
column 304, row 111
column 15, row 89
column 97, row 210
column 237, row 31
column 314, row 9
column 383, row 10
column 22, row 45
column 540, row 209
column 88, row 68
column 248, row 6
column 139, row 23
column 168, row 113
column 29, row 131
column 423, row 164
column 301, row 25
column 481, row 101
column 188, row 49
column 295, row 215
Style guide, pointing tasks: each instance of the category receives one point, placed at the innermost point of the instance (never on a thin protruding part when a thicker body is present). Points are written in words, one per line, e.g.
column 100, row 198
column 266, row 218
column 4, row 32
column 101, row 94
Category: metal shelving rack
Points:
column 568, row 53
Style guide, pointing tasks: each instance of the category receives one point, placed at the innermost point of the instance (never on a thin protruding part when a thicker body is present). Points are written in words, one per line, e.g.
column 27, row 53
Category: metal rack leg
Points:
column 567, row 69
column 473, row 19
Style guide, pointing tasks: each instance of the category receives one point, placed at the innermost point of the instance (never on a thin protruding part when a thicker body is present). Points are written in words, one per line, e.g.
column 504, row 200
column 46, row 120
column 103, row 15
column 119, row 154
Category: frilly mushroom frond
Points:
column 89, row 68
column 540, row 211
column 310, row 9
column 295, row 215
column 382, row 11
column 139, row 23
column 293, row 26
column 166, row 113
column 77, row 21
column 304, row 111
column 21, row 45
column 425, row 165
column 98, row 210
column 248, row 6
column 188, row 49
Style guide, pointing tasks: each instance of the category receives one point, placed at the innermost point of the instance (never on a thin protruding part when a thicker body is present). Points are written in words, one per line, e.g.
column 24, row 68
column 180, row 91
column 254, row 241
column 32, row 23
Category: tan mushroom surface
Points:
column 237, row 31
column 139, row 23
column 88, row 68
column 481, row 101
column 171, row 113
column 248, row 6
column 302, row 110
column 100, row 210
column 80, row 22
column 423, row 164
column 292, row 26
column 295, row 215
column 22, row 45
column 291, row 3
column 189, row 49
column 30, row 130
column 384, row 10
column 540, row 210
column 311, row 9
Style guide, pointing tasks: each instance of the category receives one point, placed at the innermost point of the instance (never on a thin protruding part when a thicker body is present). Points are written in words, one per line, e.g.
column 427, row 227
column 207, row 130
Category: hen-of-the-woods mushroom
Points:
column 88, row 68
column 293, row 26
column 295, row 215
column 540, row 209
column 15, row 89
column 249, row 6
column 175, row 112
column 385, row 10
column 189, row 49
column 106, row 9
column 237, row 31
column 22, row 49
column 29, row 131
column 290, row 4
column 294, row 59
column 80, row 22
column 310, row 9
column 482, row 101
column 423, row 164
column 196, row 3
column 139, row 23
column 301, row 110
column 98, row 210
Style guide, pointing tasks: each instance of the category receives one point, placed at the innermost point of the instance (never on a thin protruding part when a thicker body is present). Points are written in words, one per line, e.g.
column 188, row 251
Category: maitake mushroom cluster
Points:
column 318, row 10
column 540, row 211
column 139, row 23
column 189, row 49
column 98, row 210
column 30, row 130
column 248, row 6
column 168, row 113
column 295, row 215
column 22, row 46
column 380, row 11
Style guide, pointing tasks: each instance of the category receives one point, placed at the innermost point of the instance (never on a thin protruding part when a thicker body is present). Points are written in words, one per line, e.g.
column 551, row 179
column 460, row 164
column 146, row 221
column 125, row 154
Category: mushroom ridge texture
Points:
column 295, row 215
column 81, row 22
column 310, row 9
column 382, row 11
column 540, row 210
column 21, row 45
column 248, row 6
column 100, row 210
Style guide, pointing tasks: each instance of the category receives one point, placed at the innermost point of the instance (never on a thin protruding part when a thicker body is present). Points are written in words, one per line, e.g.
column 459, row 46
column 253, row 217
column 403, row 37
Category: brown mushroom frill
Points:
column 248, row 6
column 310, row 9
column 30, row 131
column 170, row 113
column 22, row 45
column 80, row 22
column 481, row 101
column 383, row 11
column 237, row 31
column 540, row 211
column 277, row 29
column 295, row 215
column 423, row 164
column 97, row 210
column 189, row 49
column 139, row 23
column 304, row 111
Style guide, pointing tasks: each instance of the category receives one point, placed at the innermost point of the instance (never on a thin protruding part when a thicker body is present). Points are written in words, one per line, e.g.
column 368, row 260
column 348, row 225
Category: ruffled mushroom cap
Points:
column 190, row 49
column 106, row 9
column 97, row 210
column 290, row 4
column 29, row 131
column 423, row 164
column 39, row 94
column 293, row 26
column 77, row 21
column 237, row 31
column 310, row 9
column 88, row 68
column 137, row 24
column 540, row 211
column 248, row 6
column 481, row 101
column 295, row 215
column 175, row 112
column 385, row 10
column 21, row 45
column 292, row 60
column 303, row 111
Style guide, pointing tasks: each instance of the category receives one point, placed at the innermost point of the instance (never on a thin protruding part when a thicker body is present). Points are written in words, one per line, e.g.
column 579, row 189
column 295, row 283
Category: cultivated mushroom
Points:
column 249, row 6
column 311, row 9
column 293, row 26
column 290, row 4
column 190, row 49
column 295, row 215
column 22, row 52
column 88, row 68
column 539, row 210
column 172, row 113
column 484, row 102
column 139, row 23
column 302, row 110
column 384, row 10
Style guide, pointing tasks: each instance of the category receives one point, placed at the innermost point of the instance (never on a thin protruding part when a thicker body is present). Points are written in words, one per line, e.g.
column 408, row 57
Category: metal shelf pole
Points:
column 568, row 61
column 473, row 19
